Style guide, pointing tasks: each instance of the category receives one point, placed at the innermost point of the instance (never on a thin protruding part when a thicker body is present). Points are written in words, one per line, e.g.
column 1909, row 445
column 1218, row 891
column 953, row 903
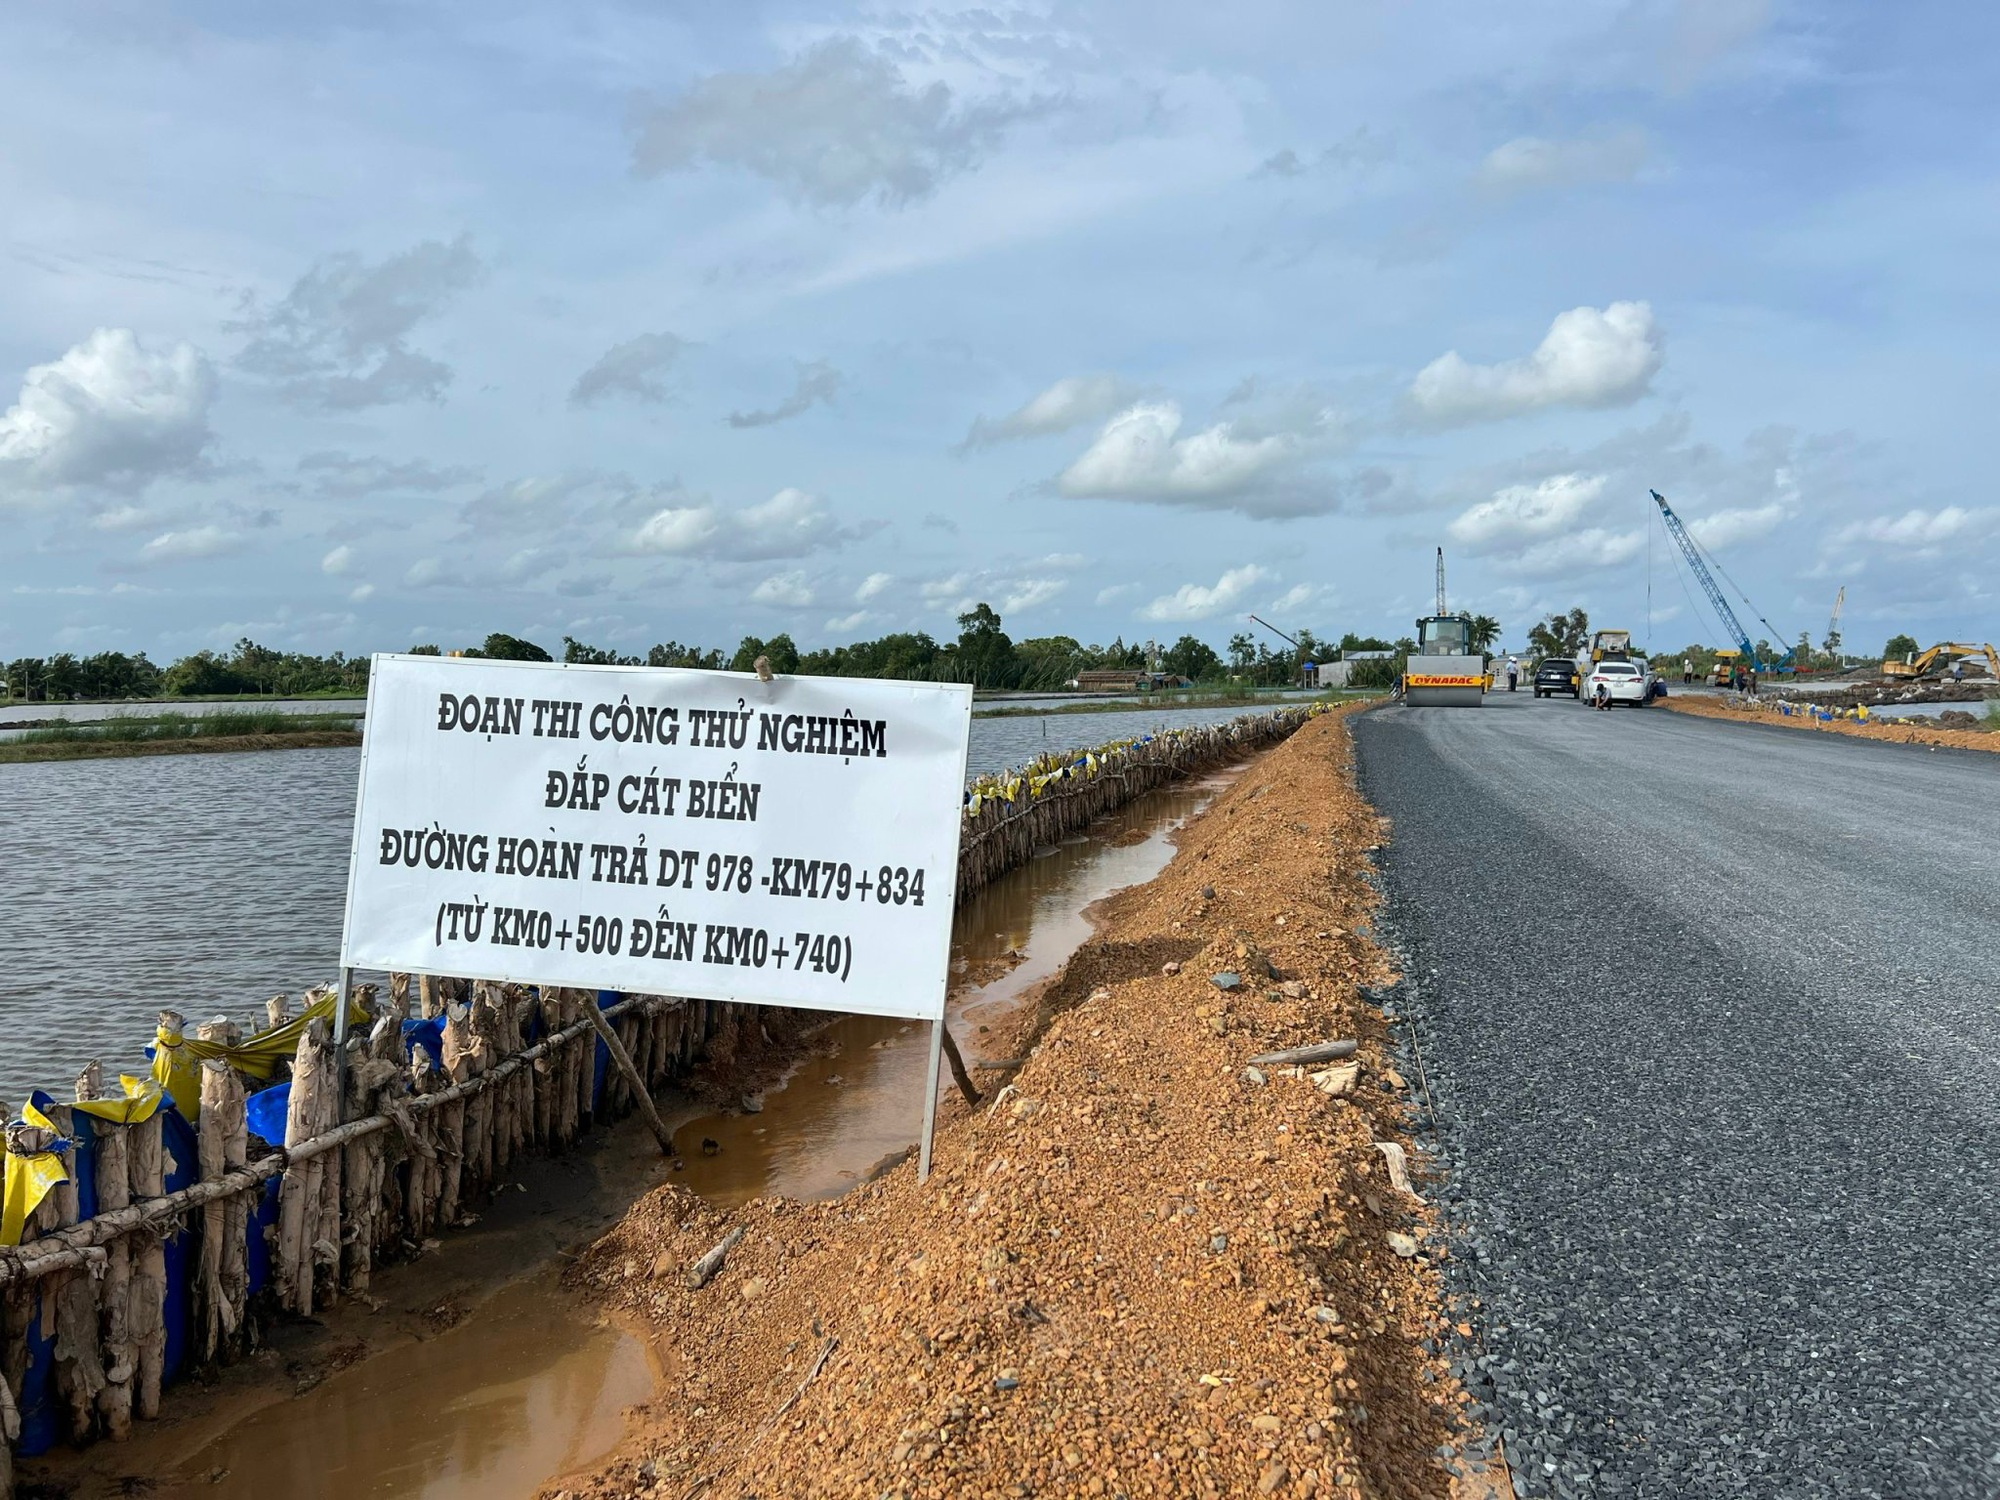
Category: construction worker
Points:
column 1513, row 672
column 1687, row 670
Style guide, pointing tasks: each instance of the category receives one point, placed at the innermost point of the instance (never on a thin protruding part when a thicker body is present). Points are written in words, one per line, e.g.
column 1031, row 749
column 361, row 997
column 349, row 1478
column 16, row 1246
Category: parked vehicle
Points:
column 1622, row 681
column 1558, row 674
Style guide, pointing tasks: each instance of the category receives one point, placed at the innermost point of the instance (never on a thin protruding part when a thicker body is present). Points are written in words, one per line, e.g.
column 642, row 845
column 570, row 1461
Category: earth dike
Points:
column 1144, row 1265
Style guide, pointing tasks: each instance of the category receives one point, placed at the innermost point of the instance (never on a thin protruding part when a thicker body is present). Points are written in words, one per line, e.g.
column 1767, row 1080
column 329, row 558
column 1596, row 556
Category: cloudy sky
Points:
column 365, row 325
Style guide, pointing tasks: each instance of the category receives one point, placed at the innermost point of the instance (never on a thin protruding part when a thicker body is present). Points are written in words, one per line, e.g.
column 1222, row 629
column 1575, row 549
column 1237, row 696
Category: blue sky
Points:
column 397, row 323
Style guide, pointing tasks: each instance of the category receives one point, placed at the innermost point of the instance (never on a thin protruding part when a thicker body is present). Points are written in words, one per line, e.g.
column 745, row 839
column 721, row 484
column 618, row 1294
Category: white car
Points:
column 1622, row 681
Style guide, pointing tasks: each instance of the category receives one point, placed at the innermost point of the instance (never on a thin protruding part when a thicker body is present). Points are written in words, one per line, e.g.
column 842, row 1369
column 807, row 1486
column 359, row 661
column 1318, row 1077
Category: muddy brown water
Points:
column 490, row 1379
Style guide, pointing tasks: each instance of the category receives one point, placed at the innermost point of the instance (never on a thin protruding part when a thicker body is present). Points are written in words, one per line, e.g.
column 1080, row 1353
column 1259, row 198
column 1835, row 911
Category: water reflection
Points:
column 519, row 1392
column 209, row 883
column 840, row 1115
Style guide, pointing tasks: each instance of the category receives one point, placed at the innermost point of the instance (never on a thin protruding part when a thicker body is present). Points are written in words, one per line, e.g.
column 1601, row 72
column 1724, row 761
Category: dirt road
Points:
column 1144, row 1268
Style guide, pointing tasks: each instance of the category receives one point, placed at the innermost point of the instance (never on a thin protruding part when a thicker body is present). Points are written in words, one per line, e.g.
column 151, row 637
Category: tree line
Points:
column 247, row 670
column 983, row 653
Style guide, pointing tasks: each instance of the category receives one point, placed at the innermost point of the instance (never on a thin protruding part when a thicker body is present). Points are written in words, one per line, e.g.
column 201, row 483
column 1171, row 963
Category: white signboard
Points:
column 663, row 831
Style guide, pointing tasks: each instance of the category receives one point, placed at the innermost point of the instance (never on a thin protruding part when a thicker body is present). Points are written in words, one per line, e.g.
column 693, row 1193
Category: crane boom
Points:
column 1709, row 586
column 1278, row 633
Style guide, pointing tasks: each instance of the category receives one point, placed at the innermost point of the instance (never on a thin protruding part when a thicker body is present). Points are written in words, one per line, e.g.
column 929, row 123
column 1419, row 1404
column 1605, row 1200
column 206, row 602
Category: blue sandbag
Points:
column 426, row 1034
column 265, row 1111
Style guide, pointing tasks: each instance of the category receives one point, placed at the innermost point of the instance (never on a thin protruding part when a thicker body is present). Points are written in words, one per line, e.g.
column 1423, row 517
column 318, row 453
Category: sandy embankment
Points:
column 1899, row 731
column 1137, row 1271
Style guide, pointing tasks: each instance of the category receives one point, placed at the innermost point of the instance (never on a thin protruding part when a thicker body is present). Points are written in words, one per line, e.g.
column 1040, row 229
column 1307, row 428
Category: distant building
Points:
column 1127, row 680
column 1335, row 674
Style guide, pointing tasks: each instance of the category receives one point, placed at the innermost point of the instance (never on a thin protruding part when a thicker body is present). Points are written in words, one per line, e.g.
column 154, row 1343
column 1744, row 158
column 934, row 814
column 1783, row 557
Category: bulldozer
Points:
column 1444, row 671
column 1940, row 657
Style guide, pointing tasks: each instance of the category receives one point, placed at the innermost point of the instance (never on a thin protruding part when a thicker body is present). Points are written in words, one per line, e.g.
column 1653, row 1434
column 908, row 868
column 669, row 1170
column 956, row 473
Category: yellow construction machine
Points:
column 1941, row 656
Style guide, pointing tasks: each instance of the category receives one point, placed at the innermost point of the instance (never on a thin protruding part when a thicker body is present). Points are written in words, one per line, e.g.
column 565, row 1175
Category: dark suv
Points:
column 1558, row 674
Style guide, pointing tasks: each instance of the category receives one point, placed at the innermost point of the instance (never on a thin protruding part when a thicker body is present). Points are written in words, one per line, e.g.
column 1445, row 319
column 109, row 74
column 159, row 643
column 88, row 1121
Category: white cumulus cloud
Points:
column 1141, row 455
column 1727, row 528
column 842, row 624
column 1299, row 596
column 338, row 560
column 1195, row 601
column 109, row 412
column 1025, row 593
column 1070, row 402
column 786, row 590
column 1589, row 550
column 1524, row 512
column 1589, row 358
column 791, row 523
column 1532, row 162
column 1919, row 529
column 873, row 585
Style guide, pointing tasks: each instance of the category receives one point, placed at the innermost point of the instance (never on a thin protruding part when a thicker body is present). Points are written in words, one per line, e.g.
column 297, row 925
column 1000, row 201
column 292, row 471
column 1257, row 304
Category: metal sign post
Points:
column 931, row 1098
column 340, row 1046
column 788, row 841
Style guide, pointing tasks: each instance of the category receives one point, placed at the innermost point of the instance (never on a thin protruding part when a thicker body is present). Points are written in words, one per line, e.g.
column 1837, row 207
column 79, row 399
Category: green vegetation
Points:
column 248, row 670
column 1900, row 647
column 983, row 654
column 137, row 734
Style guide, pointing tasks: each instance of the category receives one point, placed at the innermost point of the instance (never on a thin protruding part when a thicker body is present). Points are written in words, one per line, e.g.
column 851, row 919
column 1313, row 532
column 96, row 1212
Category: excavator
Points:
column 1938, row 658
column 1445, row 671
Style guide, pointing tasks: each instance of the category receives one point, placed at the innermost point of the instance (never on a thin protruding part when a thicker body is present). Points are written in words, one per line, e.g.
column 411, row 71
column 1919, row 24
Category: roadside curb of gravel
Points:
column 1145, row 1267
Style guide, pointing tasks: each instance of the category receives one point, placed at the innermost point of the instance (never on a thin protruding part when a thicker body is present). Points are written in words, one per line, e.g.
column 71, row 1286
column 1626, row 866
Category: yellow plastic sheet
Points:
column 29, row 1179
column 177, row 1060
column 142, row 1098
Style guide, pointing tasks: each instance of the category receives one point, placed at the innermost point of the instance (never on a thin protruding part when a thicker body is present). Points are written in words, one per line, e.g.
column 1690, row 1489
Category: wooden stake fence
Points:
column 425, row 1136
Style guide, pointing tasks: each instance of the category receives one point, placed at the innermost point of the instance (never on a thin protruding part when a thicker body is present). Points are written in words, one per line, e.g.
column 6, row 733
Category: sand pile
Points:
column 1145, row 1267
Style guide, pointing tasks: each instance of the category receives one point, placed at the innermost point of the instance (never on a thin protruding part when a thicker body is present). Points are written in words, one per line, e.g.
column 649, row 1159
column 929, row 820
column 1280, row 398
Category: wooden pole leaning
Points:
column 642, row 1095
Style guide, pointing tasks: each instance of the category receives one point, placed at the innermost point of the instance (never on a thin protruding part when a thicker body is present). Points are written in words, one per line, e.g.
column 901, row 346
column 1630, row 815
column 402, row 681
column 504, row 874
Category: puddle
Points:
column 520, row 1392
column 838, row 1116
column 524, row 1387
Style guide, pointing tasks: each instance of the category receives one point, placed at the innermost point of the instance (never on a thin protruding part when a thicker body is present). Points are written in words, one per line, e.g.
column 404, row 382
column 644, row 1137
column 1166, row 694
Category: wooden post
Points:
column 224, row 1148
column 300, row 1198
column 73, row 1301
column 623, row 1059
column 958, row 1072
column 145, row 1309
column 114, row 1191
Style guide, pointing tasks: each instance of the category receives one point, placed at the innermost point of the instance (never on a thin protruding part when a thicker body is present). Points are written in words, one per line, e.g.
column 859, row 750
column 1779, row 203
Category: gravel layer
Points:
column 1888, row 731
column 1709, row 1015
column 1147, row 1267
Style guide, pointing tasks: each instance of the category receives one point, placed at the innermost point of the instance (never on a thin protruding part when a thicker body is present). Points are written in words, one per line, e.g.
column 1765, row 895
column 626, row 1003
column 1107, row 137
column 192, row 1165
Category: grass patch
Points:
column 136, row 734
column 133, row 728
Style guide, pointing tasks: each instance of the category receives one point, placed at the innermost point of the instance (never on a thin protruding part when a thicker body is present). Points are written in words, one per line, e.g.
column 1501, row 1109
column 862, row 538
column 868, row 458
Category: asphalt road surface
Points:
column 1711, row 1015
